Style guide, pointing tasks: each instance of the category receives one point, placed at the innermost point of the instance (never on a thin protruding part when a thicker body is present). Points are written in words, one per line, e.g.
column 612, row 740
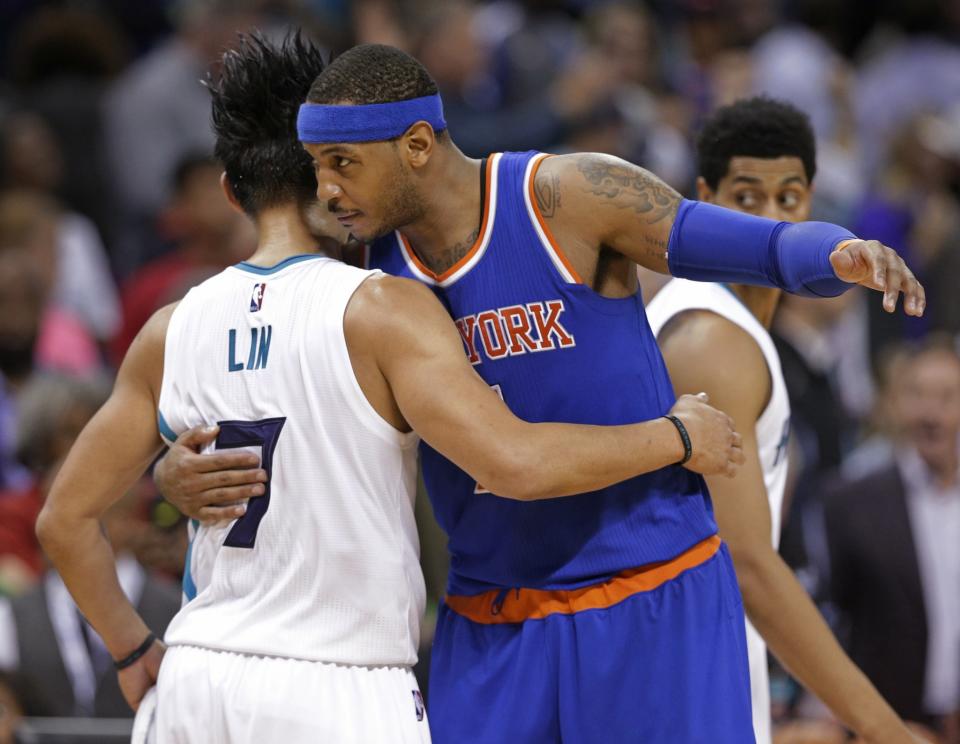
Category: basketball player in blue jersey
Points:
column 612, row 616
column 301, row 617
column 758, row 156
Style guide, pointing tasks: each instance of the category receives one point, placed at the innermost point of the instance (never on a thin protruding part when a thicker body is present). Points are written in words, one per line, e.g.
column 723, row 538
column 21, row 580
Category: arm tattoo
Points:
column 630, row 187
column 443, row 260
column 547, row 192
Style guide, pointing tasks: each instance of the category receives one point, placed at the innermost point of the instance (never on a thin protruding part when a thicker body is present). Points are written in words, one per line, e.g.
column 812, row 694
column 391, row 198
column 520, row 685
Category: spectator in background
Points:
column 10, row 710
column 62, row 58
column 208, row 236
column 157, row 112
column 825, row 360
column 458, row 40
column 654, row 125
column 914, row 64
column 798, row 62
column 58, row 664
column 29, row 225
column 894, row 538
column 30, row 160
column 911, row 206
column 51, row 412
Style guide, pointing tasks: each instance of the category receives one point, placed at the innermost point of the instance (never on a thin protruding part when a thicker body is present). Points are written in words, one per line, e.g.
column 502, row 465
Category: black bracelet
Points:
column 684, row 437
column 140, row 651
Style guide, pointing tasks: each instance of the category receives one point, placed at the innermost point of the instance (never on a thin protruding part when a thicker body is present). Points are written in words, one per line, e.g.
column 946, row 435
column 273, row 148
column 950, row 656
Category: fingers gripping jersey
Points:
column 325, row 565
column 556, row 351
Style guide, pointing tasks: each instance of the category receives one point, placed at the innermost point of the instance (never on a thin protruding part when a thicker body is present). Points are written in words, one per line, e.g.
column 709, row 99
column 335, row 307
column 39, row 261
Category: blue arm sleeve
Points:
column 713, row 244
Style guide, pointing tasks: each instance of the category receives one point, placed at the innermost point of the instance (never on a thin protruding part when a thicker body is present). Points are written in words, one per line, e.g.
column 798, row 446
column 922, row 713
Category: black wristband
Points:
column 684, row 437
column 138, row 652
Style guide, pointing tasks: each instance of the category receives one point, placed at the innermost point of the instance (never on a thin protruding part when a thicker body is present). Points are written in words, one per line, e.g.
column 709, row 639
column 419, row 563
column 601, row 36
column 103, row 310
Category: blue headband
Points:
column 319, row 123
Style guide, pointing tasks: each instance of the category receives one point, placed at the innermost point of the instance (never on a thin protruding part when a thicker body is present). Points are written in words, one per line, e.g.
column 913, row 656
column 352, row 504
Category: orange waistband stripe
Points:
column 517, row 605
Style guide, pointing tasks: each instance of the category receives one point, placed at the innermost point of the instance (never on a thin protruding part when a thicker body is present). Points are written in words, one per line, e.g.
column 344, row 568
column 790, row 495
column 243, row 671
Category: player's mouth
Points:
column 348, row 218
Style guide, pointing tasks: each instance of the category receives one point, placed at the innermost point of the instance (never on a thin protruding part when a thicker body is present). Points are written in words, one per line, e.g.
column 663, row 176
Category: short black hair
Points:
column 372, row 73
column 755, row 128
column 256, row 97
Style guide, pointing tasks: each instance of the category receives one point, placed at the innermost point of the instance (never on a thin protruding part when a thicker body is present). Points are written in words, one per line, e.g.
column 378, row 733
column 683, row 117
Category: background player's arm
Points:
column 111, row 453
column 706, row 352
column 599, row 201
column 399, row 327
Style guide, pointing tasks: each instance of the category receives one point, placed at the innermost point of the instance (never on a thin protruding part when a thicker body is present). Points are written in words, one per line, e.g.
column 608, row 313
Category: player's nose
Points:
column 327, row 189
column 771, row 210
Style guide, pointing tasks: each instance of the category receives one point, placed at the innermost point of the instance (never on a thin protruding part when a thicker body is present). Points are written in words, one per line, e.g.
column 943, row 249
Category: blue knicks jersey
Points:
column 555, row 350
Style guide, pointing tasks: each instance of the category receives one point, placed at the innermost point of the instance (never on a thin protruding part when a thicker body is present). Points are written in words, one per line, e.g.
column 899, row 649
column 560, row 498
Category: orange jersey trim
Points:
column 543, row 223
column 485, row 226
column 533, row 604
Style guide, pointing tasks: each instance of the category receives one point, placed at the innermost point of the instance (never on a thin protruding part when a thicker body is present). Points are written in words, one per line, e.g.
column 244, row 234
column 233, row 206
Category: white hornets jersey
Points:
column 773, row 430
column 324, row 566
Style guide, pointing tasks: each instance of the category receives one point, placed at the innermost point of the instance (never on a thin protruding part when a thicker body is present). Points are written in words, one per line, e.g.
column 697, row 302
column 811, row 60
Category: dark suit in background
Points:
column 875, row 582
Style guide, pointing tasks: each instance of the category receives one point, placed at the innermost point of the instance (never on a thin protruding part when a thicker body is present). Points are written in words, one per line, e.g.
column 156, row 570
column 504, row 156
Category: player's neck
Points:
column 452, row 210
column 281, row 233
column 760, row 301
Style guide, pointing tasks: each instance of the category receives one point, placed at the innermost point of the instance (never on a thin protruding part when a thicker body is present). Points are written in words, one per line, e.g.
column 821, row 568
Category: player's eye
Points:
column 747, row 200
column 343, row 162
column 789, row 200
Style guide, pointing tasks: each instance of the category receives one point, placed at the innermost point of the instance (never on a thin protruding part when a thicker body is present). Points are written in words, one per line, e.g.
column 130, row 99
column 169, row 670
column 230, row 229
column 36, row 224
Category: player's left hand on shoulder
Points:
column 874, row 265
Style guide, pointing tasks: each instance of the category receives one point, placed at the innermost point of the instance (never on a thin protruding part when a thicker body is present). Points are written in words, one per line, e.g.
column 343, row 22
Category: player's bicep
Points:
column 740, row 503
column 438, row 392
column 621, row 205
column 707, row 353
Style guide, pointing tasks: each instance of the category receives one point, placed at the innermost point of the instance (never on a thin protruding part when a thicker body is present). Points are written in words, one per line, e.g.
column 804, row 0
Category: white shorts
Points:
column 218, row 697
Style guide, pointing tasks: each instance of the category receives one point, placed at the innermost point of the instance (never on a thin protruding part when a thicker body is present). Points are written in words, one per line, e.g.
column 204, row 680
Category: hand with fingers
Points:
column 208, row 487
column 137, row 678
column 874, row 265
column 717, row 448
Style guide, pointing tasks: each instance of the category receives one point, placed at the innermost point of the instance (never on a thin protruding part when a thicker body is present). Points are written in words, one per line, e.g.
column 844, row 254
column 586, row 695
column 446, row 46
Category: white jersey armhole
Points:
column 354, row 395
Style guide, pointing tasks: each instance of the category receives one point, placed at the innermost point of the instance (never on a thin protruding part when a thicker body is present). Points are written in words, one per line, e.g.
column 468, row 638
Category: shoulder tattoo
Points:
column 629, row 187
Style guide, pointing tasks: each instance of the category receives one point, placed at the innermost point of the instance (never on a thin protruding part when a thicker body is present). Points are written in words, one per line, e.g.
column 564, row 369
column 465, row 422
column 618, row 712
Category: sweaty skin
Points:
column 705, row 351
column 400, row 341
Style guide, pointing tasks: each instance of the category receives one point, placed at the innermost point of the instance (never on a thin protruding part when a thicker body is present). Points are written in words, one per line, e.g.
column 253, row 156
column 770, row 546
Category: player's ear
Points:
column 228, row 192
column 704, row 192
column 417, row 144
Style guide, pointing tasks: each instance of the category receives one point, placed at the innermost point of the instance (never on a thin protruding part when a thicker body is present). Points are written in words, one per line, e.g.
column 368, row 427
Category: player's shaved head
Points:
column 256, row 96
column 372, row 73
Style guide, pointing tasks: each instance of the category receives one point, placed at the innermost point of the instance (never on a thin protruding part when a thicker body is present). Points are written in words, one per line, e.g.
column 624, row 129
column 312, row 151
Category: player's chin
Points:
column 366, row 234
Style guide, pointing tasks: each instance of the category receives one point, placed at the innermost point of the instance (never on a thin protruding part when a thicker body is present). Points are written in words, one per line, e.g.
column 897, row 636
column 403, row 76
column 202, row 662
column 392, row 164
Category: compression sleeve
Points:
column 712, row 244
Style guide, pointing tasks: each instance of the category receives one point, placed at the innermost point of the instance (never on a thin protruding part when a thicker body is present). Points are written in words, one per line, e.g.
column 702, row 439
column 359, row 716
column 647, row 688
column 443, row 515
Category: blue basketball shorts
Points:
column 655, row 655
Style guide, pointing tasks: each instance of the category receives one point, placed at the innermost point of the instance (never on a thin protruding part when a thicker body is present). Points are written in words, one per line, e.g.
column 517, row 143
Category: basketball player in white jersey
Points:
column 301, row 617
column 758, row 156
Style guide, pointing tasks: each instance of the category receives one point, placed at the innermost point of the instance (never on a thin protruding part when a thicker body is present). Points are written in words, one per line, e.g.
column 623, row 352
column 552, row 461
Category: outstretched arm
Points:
column 403, row 329
column 705, row 351
column 601, row 201
column 110, row 454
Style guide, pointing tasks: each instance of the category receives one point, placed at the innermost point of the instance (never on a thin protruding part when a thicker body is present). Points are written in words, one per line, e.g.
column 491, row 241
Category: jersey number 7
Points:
column 264, row 434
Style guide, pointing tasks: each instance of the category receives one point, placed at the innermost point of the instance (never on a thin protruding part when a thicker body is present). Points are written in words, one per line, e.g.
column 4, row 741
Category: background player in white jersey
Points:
column 758, row 156
column 302, row 615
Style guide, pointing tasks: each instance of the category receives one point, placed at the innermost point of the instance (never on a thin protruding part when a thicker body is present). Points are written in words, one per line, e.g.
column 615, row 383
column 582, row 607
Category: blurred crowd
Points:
column 110, row 207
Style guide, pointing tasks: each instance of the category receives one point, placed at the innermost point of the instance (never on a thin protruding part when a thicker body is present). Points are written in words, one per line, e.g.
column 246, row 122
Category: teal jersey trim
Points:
column 189, row 588
column 265, row 270
column 165, row 431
